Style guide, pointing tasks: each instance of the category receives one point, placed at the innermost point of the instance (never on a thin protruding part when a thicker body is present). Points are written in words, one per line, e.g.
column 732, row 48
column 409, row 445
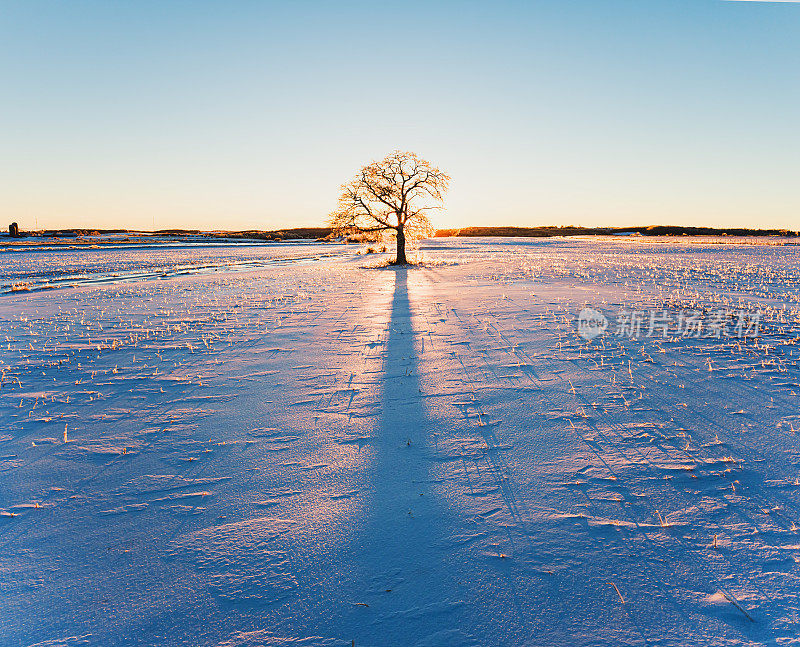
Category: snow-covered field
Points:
column 288, row 445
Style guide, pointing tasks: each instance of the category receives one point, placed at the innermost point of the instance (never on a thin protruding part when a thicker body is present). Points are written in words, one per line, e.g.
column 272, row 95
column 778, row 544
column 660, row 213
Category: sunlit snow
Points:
column 294, row 445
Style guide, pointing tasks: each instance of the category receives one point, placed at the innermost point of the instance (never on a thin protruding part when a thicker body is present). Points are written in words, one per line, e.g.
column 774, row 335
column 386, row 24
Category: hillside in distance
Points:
column 650, row 230
column 101, row 236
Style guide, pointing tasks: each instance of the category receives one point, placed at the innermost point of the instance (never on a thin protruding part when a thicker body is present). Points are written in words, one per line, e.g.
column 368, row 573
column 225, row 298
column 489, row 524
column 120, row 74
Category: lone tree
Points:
column 393, row 194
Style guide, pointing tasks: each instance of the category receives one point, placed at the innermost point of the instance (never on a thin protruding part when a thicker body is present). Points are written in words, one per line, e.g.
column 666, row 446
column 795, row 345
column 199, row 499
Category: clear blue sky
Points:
column 250, row 114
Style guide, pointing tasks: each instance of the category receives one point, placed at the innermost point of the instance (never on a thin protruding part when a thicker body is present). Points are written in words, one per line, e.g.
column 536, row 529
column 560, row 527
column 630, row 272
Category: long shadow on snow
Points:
column 410, row 580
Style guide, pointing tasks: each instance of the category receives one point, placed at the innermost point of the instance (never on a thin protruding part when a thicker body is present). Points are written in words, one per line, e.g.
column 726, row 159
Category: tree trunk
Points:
column 401, row 248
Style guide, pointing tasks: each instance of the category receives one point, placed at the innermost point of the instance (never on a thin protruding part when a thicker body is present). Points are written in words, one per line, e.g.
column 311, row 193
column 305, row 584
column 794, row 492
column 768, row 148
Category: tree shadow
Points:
column 402, row 541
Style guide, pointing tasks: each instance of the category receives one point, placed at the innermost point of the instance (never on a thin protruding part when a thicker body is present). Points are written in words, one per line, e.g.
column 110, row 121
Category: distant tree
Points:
column 13, row 230
column 391, row 195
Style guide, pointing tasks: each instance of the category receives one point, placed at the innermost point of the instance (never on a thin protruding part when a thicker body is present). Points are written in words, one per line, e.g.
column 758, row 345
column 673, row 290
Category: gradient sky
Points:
column 241, row 115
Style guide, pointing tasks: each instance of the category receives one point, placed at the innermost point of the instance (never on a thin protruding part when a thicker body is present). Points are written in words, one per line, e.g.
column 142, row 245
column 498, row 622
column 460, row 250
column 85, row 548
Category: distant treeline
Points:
column 317, row 233
column 279, row 234
column 652, row 230
column 297, row 233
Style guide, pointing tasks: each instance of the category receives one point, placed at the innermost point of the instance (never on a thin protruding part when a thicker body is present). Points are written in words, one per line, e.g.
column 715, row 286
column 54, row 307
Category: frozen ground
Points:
column 314, row 453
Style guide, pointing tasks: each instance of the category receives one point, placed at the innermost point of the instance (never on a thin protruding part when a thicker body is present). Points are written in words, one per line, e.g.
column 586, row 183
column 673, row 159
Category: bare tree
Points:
column 394, row 194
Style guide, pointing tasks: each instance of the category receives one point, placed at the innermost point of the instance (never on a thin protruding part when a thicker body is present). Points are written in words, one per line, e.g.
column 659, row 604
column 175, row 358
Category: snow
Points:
column 295, row 445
